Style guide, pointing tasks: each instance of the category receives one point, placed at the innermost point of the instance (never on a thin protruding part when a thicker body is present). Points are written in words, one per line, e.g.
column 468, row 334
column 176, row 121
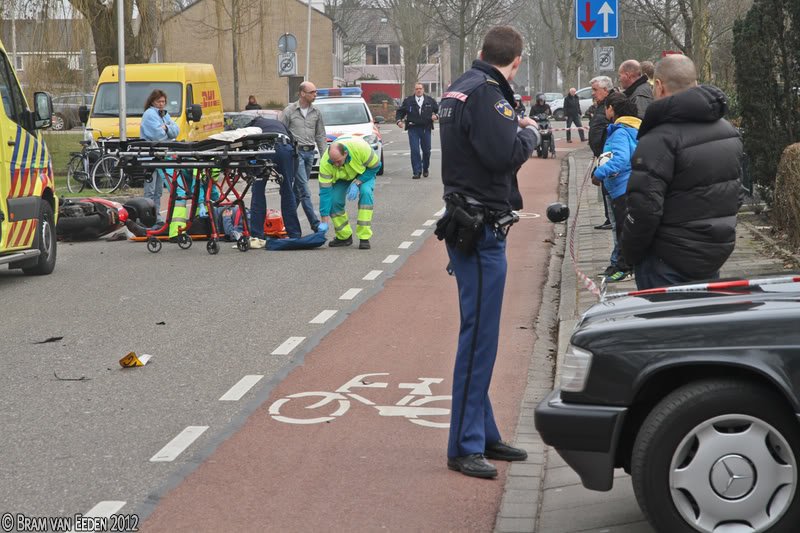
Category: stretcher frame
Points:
column 242, row 160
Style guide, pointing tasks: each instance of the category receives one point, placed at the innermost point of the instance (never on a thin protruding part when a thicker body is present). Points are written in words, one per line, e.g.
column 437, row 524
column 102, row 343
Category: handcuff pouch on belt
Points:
column 462, row 224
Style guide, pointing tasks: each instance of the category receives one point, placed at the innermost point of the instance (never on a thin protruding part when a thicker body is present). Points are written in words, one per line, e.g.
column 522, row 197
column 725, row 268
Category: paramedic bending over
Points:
column 157, row 126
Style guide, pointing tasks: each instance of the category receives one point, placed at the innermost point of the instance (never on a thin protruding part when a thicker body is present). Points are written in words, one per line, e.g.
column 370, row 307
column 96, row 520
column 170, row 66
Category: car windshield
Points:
column 343, row 114
column 106, row 103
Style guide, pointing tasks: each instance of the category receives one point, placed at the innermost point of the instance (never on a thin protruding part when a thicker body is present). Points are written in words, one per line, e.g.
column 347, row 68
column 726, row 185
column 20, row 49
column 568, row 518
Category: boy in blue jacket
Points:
column 614, row 168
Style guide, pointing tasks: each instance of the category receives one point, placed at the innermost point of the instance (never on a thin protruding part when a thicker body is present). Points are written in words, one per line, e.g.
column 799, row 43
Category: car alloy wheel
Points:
column 57, row 123
column 718, row 456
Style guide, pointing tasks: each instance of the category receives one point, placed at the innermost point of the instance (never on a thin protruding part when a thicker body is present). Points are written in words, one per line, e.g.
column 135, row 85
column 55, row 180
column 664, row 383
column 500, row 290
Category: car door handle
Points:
column 11, row 143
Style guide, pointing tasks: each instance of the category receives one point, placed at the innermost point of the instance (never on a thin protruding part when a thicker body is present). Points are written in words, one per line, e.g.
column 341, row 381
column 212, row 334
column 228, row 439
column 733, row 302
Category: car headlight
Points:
column 371, row 139
column 575, row 369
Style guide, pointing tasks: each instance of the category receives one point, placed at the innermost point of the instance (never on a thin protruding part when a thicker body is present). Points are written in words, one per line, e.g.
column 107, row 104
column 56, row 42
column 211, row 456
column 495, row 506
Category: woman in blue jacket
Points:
column 614, row 168
column 157, row 126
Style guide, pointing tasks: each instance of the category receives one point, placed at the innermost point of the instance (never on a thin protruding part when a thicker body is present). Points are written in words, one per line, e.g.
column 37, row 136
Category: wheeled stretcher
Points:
column 195, row 170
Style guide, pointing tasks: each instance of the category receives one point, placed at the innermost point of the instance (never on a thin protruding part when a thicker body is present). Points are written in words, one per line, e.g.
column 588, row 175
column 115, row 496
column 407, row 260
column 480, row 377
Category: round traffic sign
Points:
column 287, row 43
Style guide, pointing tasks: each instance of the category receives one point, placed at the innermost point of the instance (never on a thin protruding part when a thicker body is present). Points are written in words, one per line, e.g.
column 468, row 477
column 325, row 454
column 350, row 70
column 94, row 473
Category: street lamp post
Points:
column 308, row 44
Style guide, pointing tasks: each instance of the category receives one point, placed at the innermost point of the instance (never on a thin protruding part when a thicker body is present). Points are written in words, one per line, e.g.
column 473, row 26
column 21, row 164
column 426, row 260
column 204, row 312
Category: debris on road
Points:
column 132, row 360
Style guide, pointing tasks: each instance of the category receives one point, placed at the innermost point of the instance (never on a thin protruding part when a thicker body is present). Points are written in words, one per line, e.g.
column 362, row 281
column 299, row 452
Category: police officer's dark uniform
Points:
column 481, row 152
column 419, row 124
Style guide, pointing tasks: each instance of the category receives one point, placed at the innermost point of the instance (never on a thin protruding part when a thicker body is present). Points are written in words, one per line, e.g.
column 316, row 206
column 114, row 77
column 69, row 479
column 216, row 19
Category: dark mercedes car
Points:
column 694, row 391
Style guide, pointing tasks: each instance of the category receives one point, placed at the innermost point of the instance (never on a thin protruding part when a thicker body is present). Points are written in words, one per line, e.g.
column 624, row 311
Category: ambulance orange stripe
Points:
column 14, row 184
column 11, row 231
column 29, row 234
column 31, row 184
column 22, row 231
column 34, row 180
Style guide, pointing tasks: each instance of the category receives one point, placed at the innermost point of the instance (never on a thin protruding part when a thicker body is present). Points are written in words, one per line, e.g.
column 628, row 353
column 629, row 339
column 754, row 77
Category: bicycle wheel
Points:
column 76, row 174
column 107, row 174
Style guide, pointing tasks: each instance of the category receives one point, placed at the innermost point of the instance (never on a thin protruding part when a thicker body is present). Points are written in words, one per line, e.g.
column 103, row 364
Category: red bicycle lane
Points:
column 359, row 469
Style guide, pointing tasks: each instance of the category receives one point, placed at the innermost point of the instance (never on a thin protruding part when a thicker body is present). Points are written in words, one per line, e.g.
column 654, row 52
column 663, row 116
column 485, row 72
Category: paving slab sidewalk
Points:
column 547, row 496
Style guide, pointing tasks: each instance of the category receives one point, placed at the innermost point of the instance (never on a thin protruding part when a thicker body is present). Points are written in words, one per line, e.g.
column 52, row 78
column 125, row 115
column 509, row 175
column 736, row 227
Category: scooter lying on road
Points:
column 91, row 218
column 547, row 146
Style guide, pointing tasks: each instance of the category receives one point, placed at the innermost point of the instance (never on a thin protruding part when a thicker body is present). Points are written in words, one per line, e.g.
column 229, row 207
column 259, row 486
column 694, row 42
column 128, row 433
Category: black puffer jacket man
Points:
column 684, row 190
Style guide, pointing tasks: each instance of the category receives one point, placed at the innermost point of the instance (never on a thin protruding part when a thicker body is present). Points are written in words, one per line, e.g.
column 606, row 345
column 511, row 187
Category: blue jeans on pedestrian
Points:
column 152, row 190
column 284, row 160
column 481, row 279
column 419, row 139
column 302, row 192
column 611, row 218
column 653, row 272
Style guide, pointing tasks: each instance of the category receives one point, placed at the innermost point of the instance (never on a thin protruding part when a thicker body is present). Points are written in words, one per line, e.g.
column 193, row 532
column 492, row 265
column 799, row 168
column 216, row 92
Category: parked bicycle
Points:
column 81, row 164
column 109, row 174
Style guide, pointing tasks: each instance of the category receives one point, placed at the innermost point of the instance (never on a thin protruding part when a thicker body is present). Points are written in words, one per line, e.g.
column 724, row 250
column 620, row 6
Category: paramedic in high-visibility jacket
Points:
column 484, row 143
column 347, row 171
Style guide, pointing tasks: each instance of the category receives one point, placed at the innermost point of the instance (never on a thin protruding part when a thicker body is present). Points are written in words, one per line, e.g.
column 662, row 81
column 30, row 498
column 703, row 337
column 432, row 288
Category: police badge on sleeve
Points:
column 505, row 109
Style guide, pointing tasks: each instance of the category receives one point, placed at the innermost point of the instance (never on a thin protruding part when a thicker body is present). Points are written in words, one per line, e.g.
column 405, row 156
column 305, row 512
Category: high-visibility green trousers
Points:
column 339, row 218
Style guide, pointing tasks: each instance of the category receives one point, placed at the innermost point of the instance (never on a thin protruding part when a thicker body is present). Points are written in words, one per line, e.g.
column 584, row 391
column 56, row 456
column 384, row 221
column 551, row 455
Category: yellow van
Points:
column 28, row 201
column 194, row 100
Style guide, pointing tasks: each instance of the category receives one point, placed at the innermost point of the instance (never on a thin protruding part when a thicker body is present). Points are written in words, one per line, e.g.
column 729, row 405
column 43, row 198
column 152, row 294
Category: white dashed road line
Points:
column 323, row 316
column 405, row 245
column 176, row 446
column 350, row 294
column 288, row 345
column 429, row 223
column 240, row 389
column 440, row 212
column 102, row 510
column 372, row 275
column 391, row 258
column 417, row 233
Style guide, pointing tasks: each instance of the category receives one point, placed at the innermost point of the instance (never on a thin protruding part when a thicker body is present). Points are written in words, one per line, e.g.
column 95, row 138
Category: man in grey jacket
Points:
column 305, row 122
column 635, row 85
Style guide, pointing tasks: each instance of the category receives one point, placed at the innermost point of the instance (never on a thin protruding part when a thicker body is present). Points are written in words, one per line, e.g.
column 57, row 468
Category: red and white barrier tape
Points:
column 711, row 286
column 587, row 281
column 584, row 128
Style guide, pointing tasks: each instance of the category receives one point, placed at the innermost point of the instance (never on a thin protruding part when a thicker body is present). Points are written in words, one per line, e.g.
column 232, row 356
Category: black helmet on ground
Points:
column 557, row 212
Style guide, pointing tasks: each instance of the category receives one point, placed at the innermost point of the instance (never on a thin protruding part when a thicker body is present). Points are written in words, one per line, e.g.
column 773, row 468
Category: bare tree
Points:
column 411, row 22
column 465, row 20
column 233, row 20
column 692, row 26
column 102, row 18
column 559, row 17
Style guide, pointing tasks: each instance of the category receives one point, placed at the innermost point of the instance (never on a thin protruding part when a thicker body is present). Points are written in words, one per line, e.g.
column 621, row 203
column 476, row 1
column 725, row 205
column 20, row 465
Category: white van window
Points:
column 106, row 103
column 10, row 93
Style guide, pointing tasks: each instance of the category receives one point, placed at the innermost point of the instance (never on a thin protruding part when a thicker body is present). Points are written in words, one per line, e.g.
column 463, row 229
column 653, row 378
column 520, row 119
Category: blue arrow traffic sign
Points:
column 596, row 19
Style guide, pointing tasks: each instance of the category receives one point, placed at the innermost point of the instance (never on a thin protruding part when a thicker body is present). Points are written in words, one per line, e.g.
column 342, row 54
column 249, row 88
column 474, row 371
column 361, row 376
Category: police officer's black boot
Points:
column 364, row 244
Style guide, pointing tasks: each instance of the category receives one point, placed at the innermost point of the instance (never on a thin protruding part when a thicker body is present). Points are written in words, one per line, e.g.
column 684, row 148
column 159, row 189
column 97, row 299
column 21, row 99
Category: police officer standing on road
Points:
column 418, row 113
column 482, row 149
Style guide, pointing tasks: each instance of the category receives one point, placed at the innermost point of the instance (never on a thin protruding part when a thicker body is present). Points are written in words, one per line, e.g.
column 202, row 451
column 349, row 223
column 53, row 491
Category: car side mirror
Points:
column 43, row 110
column 379, row 120
column 194, row 112
column 83, row 114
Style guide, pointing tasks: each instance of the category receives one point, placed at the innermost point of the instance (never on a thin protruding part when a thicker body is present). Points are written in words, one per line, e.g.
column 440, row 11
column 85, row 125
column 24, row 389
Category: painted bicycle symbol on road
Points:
column 413, row 406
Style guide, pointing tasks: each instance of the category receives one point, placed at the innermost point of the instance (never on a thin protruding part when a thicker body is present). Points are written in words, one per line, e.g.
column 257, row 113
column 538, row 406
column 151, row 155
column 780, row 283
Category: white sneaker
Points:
column 257, row 243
